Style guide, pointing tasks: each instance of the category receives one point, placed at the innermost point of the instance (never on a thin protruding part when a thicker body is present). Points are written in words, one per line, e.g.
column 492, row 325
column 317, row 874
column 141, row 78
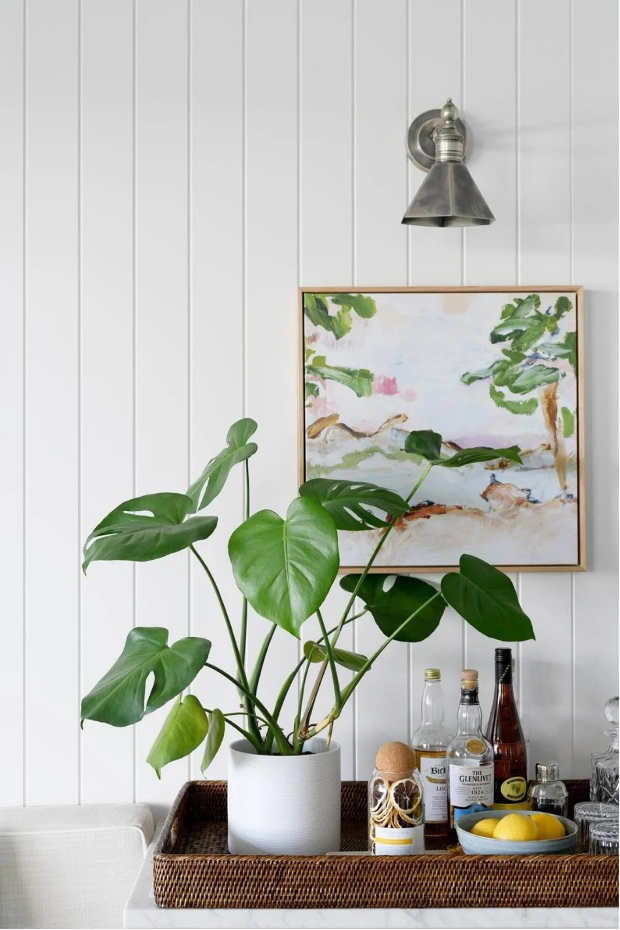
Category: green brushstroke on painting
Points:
column 568, row 422
column 522, row 370
column 317, row 310
column 513, row 406
column 351, row 460
column 359, row 380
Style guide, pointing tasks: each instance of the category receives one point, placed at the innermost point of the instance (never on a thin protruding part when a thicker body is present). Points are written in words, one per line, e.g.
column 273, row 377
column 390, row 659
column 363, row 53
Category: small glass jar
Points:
column 604, row 838
column 589, row 812
column 395, row 803
column 548, row 795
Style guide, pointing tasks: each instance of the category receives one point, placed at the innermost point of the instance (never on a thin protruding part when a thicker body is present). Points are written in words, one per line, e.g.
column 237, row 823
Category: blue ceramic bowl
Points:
column 487, row 846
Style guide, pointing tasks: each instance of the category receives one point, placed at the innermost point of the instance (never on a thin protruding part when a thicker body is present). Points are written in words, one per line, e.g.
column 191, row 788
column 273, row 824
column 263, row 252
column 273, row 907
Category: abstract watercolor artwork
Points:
column 497, row 366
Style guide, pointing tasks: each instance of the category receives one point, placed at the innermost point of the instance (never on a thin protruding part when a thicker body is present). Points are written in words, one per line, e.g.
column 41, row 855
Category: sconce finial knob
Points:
column 449, row 111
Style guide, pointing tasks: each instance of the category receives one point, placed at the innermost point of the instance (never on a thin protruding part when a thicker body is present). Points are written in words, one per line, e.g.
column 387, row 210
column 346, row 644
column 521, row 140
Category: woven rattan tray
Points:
column 192, row 868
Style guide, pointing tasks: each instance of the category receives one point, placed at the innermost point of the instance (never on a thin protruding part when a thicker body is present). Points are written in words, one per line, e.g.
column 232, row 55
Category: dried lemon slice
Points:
column 378, row 795
column 405, row 796
column 407, row 800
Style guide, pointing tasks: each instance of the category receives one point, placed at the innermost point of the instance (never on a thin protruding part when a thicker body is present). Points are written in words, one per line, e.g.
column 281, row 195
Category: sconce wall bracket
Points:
column 421, row 138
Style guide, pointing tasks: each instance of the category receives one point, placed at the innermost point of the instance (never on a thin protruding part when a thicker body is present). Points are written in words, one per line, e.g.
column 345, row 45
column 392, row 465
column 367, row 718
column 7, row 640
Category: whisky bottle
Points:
column 469, row 756
column 506, row 736
column 429, row 744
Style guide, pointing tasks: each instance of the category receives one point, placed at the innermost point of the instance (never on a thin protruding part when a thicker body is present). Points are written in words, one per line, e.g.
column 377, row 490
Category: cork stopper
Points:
column 432, row 674
column 395, row 760
column 469, row 678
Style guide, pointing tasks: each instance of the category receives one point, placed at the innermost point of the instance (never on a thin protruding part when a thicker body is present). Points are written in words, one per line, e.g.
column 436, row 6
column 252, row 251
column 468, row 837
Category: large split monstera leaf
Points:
column 352, row 503
column 147, row 528
column 214, row 476
column 119, row 697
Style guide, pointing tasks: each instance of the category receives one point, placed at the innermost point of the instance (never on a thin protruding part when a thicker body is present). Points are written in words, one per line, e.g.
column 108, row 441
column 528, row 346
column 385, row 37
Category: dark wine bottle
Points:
column 506, row 736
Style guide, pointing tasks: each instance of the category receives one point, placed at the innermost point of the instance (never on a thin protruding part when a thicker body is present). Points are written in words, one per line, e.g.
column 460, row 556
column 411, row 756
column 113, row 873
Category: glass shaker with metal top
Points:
column 548, row 795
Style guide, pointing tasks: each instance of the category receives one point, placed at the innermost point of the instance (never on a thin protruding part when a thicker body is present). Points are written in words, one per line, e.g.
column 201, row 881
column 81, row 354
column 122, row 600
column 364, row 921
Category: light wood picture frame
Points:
column 494, row 366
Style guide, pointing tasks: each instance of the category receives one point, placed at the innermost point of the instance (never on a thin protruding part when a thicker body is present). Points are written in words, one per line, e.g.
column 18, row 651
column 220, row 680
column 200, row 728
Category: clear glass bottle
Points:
column 604, row 779
column 429, row 743
column 395, row 803
column 548, row 794
column 470, row 757
column 506, row 736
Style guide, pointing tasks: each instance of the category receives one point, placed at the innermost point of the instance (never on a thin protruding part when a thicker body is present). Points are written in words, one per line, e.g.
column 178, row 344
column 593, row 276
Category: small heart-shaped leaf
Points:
column 354, row 661
column 184, row 729
column 217, row 728
column 424, row 442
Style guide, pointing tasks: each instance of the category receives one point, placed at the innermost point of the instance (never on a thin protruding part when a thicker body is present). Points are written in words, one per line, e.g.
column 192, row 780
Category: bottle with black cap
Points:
column 506, row 736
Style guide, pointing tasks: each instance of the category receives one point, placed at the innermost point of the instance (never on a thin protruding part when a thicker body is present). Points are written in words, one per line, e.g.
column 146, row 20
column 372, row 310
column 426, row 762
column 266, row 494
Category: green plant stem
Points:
column 278, row 735
column 300, row 698
column 360, row 581
column 231, row 632
column 350, row 688
column 332, row 662
column 260, row 660
column 291, row 678
column 242, row 678
column 243, row 638
column 250, row 738
column 376, row 552
column 305, row 721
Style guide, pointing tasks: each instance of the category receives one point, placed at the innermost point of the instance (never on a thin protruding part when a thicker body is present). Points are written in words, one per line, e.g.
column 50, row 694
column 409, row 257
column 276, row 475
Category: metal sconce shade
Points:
column 449, row 196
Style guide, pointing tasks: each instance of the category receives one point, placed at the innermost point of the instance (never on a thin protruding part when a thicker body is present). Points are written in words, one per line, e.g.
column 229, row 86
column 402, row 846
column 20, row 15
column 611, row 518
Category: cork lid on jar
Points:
column 469, row 678
column 395, row 760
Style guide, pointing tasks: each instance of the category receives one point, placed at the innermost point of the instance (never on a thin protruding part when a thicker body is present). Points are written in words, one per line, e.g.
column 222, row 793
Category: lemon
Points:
column 516, row 827
column 485, row 827
column 549, row 827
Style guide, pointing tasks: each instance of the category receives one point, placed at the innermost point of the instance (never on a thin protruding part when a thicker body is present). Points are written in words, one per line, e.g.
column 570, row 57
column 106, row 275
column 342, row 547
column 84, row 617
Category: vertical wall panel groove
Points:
column 595, row 133
column 326, row 191
column 217, row 326
column 52, row 427
column 271, row 285
column 543, row 246
column 161, row 321
column 12, row 371
column 106, row 381
column 380, row 258
column 434, row 258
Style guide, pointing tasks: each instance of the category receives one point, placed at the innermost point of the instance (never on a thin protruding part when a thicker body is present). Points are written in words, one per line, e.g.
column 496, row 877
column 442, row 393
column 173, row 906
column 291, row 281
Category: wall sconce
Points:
column 437, row 141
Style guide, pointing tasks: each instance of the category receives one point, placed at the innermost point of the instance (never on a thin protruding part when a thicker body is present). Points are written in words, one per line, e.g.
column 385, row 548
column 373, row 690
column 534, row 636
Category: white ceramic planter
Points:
column 284, row 805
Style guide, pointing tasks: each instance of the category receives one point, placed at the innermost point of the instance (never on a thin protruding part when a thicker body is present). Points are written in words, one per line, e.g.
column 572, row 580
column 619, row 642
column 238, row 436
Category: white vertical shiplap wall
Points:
column 169, row 174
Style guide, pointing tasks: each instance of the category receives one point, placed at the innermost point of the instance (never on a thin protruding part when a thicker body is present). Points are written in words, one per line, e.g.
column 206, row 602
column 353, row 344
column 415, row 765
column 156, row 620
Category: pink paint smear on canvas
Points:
column 385, row 385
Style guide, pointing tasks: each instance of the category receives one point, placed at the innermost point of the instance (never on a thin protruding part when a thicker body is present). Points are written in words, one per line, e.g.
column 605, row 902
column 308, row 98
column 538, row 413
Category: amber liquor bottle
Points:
column 506, row 736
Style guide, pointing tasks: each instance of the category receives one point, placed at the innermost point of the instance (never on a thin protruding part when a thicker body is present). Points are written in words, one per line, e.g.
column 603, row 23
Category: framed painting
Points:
column 481, row 366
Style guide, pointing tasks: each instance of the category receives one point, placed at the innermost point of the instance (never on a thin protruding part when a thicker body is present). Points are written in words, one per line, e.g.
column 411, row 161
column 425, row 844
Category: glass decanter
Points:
column 604, row 778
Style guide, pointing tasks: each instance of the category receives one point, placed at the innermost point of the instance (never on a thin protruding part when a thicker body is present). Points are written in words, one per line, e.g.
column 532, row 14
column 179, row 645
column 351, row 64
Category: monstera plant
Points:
column 284, row 567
